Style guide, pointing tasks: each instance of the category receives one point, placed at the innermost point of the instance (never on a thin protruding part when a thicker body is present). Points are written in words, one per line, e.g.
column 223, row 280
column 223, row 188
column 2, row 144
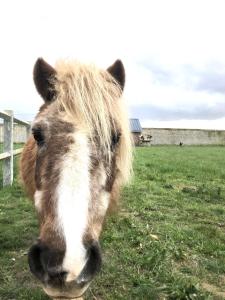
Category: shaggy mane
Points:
column 92, row 98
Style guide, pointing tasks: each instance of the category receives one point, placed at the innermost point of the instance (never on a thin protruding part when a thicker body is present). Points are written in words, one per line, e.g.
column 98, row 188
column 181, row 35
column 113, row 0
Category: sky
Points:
column 173, row 53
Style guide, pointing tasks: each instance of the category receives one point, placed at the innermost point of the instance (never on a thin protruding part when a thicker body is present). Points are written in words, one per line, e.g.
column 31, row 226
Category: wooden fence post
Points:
column 8, row 147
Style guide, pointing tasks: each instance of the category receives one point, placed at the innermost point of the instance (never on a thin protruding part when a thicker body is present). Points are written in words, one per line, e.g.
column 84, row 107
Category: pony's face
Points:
column 74, row 179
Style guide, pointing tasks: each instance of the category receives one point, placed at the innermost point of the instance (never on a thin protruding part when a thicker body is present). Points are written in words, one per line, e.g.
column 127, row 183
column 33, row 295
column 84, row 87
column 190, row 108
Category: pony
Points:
column 73, row 166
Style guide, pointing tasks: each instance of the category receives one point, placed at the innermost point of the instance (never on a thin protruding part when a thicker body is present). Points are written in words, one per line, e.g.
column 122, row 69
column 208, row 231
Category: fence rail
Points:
column 8, row 151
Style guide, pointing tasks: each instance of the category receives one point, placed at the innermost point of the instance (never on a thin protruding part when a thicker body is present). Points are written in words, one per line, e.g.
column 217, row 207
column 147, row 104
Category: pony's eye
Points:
column 115, row 139
column 38, row 136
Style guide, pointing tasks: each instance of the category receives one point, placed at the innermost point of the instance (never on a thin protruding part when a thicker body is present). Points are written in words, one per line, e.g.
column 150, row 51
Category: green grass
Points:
column 166, row 242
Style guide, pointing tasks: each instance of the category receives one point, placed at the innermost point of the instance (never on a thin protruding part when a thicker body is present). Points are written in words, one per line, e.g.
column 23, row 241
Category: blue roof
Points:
column 135, row 125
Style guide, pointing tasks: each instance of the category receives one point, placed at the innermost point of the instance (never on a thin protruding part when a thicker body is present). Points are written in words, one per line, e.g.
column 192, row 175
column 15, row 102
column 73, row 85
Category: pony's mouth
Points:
column 67, row 295
column 69, row 290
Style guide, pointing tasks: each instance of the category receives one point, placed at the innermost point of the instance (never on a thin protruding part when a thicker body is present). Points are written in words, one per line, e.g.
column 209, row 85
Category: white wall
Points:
column 165, row 136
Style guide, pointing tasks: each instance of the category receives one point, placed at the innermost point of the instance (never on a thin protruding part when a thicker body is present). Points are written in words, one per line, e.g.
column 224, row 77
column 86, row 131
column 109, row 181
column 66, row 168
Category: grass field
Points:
column 166, row 242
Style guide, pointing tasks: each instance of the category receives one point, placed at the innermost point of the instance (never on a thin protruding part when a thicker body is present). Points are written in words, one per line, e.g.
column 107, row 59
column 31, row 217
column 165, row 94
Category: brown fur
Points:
column 78, row 98
column 27, row 166
column 67, row 74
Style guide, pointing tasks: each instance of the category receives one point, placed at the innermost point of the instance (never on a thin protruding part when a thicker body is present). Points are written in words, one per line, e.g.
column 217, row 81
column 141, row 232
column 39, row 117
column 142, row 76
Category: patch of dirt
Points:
column 214, row 290
column 128, row 213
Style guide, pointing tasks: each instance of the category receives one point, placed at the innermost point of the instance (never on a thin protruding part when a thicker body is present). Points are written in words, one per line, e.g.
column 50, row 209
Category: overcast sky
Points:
column 173, row 52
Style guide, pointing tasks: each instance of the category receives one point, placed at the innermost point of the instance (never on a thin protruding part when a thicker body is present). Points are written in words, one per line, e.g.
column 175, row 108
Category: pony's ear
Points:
column 118, row 72
column 44, row 75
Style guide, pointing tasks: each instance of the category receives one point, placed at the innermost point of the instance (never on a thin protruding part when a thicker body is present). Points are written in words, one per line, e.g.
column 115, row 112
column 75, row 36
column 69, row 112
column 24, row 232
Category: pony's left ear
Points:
column 44, row 76
column 118, row 72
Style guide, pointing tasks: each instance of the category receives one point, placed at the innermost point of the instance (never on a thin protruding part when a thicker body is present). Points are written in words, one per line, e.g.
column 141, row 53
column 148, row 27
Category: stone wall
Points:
column 170, row 136
column 160, row 136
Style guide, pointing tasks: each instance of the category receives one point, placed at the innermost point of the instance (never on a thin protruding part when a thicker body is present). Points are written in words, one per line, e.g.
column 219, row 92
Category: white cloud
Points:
column 171, row 35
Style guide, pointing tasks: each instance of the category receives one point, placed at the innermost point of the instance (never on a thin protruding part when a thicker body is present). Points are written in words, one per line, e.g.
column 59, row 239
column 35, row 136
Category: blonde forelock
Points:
column 93, row 98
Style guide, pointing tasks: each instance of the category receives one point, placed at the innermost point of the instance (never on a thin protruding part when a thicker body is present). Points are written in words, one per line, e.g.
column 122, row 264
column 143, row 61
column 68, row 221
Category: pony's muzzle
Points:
column 46, row 265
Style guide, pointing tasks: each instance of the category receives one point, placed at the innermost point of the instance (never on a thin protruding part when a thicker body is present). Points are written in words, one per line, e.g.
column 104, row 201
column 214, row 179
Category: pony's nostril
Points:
column 93, row 264
column 34, row 260
column 45, row 263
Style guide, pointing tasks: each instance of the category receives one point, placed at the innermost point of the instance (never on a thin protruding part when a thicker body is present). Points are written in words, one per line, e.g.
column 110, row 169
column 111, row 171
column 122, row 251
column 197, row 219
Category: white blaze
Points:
column 37, row 199
column 73, row 200
column 104, row 202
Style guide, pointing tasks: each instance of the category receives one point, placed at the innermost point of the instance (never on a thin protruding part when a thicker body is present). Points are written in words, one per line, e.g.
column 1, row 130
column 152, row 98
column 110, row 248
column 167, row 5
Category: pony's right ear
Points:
column 118, row 72
column 44, row 76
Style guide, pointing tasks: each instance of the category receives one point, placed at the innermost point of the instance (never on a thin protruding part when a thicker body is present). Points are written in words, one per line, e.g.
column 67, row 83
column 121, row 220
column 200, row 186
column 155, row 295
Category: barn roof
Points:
column 135, row 126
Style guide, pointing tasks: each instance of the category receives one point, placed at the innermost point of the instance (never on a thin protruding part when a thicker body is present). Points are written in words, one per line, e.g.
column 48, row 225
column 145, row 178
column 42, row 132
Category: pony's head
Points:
column 82, row 155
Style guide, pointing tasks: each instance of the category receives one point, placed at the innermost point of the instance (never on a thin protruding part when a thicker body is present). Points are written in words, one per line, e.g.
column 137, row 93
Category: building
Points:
column 136, row 130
